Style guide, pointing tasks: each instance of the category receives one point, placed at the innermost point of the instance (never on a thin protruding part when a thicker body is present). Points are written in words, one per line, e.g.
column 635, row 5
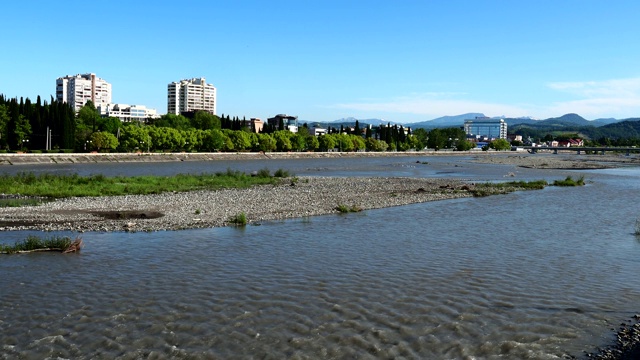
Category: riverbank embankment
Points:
column 79, row 158
column 522, row 159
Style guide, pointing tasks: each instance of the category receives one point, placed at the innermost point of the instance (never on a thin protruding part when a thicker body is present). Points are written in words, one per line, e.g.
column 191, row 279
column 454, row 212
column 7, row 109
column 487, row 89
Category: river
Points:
column 536, row 275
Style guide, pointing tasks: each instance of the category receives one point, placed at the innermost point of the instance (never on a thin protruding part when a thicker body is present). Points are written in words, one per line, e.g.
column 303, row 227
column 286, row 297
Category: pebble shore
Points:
column 292, row 198
column 561, row 161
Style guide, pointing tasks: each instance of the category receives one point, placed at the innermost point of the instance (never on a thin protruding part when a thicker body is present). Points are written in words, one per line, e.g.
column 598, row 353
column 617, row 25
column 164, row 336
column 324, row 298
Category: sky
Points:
column 402, row 61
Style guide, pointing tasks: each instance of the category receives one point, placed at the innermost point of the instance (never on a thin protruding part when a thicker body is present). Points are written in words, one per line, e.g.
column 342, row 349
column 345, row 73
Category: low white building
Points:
column 317, row 131
column 127, row 113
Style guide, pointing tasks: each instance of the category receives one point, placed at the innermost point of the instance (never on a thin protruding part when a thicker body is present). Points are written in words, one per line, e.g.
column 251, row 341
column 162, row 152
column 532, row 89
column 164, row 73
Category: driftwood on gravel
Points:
column 75, row 246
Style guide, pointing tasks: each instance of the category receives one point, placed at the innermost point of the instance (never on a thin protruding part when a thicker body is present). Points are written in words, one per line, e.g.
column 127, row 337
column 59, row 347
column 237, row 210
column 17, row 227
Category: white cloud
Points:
column 615, row 88
column 432, row 105
column 619, row 98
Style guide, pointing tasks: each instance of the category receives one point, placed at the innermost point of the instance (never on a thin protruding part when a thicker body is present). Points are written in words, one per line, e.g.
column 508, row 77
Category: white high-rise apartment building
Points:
column 191, row 95
column 77, row 90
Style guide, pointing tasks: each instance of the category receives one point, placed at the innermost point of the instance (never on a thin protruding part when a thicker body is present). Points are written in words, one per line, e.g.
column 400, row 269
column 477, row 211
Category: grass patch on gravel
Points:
column 487, row 189
column 33, row 243
column 569, row 181
column 18, row 202
column 341, row 208
column 61, row 186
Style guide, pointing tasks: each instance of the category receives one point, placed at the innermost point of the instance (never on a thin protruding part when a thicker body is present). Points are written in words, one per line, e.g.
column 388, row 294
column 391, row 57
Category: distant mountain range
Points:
column 568, row 120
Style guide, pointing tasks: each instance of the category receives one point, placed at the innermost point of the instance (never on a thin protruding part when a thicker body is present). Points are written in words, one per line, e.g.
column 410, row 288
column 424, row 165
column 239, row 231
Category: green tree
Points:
column 421, row 136
column 356, row 129
column 241, row 139
column 213, row 140
column 500, row 145
column 312, row 143
column 298, row 142
column 4, row 122
column 104, row 141
column 22, row 130
column 376, row 145
column 465, row 145
column 177, row 122
column 327, row 142
column 133, row 137
column 344, row 142
column 192, row 139
column 266, row 143
column 357, row 141
column 437, row 139
column 110, row 124
column 204, row 120
column 89, row 117
column 166, row 139
column 283, row 139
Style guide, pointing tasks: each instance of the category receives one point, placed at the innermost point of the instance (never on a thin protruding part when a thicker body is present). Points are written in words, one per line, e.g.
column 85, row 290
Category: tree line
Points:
column 28, row 126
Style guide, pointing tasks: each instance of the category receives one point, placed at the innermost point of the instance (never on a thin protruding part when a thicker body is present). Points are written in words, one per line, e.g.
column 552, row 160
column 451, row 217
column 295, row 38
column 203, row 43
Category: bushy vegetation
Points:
column 280, row 173
column 18, row 202
column 60, row 186
column 348, row 209
column 569, row 181
column 486, row 189
column 32, row 243
column 264, row 173
column 239, row 219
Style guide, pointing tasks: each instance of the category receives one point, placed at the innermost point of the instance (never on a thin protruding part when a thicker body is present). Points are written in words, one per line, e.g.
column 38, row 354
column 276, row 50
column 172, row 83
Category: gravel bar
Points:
column 292, row 198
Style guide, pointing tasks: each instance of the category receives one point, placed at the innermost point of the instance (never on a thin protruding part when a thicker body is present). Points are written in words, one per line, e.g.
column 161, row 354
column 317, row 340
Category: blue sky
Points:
column 402, row 61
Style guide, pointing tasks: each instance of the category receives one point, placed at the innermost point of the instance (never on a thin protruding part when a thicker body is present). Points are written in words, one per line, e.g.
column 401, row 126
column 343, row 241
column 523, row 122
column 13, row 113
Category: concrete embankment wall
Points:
column 50, row 158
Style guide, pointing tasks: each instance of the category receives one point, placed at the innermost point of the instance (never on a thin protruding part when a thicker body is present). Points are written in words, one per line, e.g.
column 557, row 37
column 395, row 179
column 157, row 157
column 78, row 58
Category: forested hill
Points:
column 628, row 128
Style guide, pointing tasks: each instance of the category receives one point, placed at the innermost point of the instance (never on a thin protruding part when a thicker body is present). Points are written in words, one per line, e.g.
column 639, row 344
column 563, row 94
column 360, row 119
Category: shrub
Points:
column 346, row 209
column 240, row 219
column 569, row 181
column 264, row 173
column 280, row 173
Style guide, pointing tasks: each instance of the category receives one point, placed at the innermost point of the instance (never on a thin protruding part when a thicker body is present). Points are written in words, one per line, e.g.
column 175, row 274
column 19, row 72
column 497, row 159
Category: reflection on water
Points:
column 525, row 275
